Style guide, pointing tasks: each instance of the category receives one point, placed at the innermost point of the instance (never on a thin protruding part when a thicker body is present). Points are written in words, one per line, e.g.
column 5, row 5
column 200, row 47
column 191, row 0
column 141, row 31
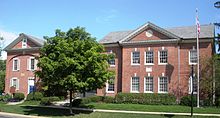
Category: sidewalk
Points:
column 20, row 115
column 135, row 112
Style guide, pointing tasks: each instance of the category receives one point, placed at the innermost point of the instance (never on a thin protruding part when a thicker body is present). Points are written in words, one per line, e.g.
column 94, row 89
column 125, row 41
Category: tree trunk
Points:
column 71, row 101
column 84, row 94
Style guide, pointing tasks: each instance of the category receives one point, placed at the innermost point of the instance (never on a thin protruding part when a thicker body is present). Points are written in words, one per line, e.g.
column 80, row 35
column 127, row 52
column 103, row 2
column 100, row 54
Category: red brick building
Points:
column 151, row 59
column 21, row 64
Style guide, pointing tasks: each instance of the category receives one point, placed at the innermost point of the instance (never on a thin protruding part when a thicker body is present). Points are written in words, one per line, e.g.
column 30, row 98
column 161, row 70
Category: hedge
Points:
column 145, row 98
column 34, row 96
column 186, row 100
column 5, row 98
column 48, row 100
column 18, row 96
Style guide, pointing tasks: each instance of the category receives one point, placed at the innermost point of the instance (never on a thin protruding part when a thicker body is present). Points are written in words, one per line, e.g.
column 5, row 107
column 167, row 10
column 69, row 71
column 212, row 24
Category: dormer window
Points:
column 24, row 43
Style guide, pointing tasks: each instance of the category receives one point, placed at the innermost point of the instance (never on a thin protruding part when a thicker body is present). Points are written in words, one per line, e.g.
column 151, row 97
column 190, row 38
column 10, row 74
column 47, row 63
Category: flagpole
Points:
column 197, row 40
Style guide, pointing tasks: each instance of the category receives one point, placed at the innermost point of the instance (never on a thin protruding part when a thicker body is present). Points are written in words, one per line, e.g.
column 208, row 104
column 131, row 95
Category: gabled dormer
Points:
column 24, row 42
column 149, row 32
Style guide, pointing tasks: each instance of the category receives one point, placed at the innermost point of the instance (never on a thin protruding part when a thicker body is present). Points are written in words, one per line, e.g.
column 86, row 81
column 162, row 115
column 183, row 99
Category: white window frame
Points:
column 29, row 64
column 131, row 85
column 24, row 43
column 146, row 86
column 190, row 57
column 159, row 85
column 18, row 64
column 107, row 86
column 132, row 58
column 190, row 85
column 145, row 58
column 159, row 63
column 17, row 82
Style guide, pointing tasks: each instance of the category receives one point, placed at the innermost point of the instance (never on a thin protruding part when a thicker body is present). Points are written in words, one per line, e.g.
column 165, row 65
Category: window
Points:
column 149, row 84
column 16, row 64
column 135, row 84
column 135, row 58
column 31, row 64
column 192, row 57
column 15, row 83
column 111, row 61
column 24, row 43
column 163, row 57
column 192, row 85
column 163, row 84
column 110, row 86
column 149, row 57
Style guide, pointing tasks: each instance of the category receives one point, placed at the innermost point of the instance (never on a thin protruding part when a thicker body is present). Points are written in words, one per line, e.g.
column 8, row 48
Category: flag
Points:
column 197, row 22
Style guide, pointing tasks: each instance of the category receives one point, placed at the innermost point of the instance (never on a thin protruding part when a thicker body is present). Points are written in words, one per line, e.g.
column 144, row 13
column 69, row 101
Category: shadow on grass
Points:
column 169, row 115
column 47, row 111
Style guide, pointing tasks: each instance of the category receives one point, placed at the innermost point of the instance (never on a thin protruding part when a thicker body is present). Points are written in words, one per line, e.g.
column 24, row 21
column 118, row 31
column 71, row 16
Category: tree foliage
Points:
column 2, row 75
column 73, row 61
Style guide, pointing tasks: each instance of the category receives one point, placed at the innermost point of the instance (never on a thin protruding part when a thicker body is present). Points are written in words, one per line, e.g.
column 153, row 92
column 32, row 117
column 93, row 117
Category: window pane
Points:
column 136, row 57
column 32, row 64
column 149, row 84
column 135, row 83
column 193, row 56
column 163, row 84
column 149, row 57
column 111, row 61
column 15, row 64
column 163, row 56
column 111, row 85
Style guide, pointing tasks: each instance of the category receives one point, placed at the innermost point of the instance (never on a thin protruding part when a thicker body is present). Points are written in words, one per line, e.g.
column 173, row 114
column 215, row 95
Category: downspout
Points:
column 178, row 87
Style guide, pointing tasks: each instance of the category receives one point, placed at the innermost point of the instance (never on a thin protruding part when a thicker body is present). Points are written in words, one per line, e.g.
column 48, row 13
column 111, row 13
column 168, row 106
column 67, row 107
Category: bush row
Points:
column 49, row 100
column 146, row 98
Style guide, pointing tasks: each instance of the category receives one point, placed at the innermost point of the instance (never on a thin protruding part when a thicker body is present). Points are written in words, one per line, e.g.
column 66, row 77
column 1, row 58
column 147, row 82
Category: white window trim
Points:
column 29, row 63
column 145, row 86
column 29, row 78
column 11, row 82
column 134, row 64
column 159, row 59
column 189, row 59
column 24, row 43
column 159, row 85
column 190, row 86
column 18, row 66
column 131, row 86
column 145, row 53
column 106, row 88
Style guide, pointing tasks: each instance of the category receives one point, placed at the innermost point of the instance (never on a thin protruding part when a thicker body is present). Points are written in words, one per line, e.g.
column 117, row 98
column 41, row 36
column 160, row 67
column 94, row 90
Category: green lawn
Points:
column 32, row 108
column 154, row 108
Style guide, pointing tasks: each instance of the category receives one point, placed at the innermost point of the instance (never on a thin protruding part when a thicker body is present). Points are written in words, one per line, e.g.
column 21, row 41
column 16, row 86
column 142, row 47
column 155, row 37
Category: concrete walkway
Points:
column 135, row 112
column 13, row 115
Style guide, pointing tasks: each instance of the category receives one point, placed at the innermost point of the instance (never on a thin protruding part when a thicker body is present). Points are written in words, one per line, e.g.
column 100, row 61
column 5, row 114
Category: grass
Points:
column 32, row 108
column 154, row 108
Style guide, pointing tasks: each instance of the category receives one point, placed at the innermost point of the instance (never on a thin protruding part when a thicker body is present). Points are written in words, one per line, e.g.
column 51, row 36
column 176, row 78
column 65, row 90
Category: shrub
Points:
column 5, row 98
column 145, row 98
column 18, row 96
column 35, row 96
column 186, row 100
column 108, row 99
column 48, row 100
column 76, row 102
column 217, row 102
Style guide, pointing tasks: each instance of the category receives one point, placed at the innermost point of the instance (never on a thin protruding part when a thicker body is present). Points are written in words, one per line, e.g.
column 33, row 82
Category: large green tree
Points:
column 73, row 61
column 2, row 75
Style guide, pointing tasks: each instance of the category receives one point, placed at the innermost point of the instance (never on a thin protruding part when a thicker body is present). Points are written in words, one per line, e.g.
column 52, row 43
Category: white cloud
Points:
column 107, row 17
column 8, row 38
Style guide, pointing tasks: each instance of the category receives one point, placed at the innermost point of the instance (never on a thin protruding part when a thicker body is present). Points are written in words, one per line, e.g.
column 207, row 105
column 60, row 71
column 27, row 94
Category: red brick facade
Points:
column 177, row 70
column 23, row 77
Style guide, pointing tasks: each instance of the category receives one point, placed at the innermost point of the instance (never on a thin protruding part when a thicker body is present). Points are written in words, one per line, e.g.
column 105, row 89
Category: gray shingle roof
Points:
column 37, row 41
column 185, row 32
column 207, row 31
column 114, row 37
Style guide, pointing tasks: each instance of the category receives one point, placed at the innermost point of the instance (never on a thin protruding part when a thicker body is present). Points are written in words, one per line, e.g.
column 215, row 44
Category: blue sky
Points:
column 41, row 17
